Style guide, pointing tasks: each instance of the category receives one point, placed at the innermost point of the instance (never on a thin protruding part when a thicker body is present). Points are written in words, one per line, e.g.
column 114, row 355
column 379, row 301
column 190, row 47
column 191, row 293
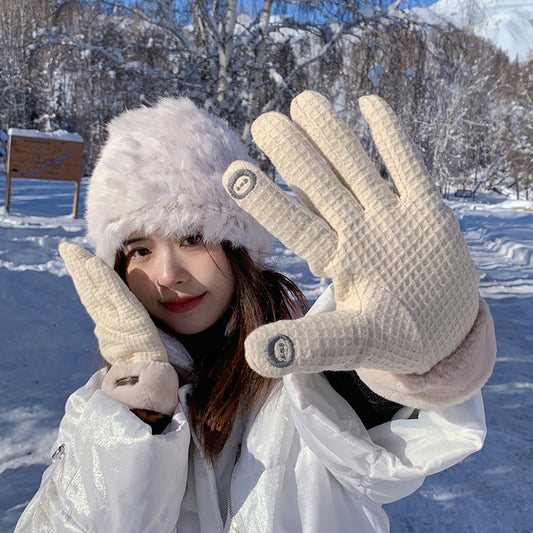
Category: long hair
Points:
column 226, row 386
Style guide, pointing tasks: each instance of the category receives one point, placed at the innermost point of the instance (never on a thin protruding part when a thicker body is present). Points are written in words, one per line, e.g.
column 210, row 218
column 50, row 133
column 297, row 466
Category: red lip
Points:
column 183, row 304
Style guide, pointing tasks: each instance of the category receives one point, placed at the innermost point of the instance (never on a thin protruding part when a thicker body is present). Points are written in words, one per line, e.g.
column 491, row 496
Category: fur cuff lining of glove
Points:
column 150, row 385
column 451, row 381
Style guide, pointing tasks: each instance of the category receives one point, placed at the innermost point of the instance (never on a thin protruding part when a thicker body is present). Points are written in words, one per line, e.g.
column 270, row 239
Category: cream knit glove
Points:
column 405, row 286
column 140, row 375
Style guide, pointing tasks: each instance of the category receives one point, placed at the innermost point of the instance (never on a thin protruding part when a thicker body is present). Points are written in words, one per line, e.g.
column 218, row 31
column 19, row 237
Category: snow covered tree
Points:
column 18, row 22
column 75, row 64
column 519, row 127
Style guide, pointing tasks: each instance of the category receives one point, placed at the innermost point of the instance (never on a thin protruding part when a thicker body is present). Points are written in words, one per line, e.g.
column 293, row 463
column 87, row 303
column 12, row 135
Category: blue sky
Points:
column 253, row 5
column 418, row 3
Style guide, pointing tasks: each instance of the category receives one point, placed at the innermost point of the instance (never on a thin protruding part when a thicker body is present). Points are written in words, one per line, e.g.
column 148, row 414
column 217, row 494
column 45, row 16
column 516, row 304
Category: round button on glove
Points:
column 140, row 375
column 405, row 285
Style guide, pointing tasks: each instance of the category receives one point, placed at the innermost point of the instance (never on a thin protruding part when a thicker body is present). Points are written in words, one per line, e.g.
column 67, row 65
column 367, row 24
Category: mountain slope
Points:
column 507, row 23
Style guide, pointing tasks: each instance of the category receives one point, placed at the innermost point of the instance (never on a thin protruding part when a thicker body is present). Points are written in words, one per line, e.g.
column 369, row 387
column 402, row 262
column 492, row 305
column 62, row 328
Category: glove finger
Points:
column 291, row 222
column 76, row 260
column 113, row 294
column 326, row 341
column 399, row 154
column 305, row 170
column 377, row 332
column 123, row 327
column 73, row 254
column 341, row 147
column 99, row 287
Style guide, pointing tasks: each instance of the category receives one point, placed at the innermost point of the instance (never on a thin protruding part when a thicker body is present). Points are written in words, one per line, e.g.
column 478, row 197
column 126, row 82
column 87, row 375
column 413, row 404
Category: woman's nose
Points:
column 172, row 271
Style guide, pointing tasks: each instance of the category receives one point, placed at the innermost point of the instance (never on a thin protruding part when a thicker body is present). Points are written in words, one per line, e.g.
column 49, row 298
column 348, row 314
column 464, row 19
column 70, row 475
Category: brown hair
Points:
column 226, row 386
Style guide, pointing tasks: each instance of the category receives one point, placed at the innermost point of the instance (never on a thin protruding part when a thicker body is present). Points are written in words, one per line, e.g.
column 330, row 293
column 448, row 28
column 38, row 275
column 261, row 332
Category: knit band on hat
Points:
column 160, row 171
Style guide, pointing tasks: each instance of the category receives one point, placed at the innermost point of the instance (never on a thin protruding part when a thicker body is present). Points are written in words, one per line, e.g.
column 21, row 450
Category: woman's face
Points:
column 184, row 283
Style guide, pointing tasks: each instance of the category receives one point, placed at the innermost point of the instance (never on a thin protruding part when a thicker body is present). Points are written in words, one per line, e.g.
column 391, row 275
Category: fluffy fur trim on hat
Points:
column 160, row 171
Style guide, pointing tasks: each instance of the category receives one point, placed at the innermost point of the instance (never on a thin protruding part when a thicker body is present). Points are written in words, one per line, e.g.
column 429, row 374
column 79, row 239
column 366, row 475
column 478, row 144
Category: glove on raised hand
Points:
column 405, row 286
column 140, row 375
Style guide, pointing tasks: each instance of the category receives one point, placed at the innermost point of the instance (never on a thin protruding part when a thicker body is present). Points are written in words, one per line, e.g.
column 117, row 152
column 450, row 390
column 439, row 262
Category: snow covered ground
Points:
column 47, row 350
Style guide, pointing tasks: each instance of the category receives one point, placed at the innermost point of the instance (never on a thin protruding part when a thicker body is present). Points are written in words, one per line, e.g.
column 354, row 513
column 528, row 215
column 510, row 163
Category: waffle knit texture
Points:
column 123, row 327
column 452, row 380
column 405, row 285
column 159, row 171
column 141, row 375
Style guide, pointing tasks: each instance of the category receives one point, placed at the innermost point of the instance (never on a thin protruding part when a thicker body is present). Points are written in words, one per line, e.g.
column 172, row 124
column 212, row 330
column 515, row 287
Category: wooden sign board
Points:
column 49, row 156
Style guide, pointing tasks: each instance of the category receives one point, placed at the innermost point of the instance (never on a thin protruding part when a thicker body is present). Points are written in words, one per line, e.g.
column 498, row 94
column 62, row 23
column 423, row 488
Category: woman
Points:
column 249, row 418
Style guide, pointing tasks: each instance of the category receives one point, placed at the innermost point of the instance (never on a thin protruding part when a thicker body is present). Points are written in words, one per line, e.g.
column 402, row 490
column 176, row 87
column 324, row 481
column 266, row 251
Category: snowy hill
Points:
column 507, row 23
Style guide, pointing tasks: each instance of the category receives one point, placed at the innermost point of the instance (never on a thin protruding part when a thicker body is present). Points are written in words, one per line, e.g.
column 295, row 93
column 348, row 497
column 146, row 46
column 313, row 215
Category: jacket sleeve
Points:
column 110, row 474
column 391, row 460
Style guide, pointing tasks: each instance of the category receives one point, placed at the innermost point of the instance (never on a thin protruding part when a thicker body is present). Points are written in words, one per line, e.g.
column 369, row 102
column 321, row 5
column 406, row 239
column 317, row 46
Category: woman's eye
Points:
column 137, row 253
column 193, row 240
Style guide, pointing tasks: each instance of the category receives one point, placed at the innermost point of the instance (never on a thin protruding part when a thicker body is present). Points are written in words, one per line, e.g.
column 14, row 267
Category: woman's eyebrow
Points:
column 133, row 240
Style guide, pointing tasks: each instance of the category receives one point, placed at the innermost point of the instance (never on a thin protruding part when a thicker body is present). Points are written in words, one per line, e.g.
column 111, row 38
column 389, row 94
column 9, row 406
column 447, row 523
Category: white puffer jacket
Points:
column 303, row 462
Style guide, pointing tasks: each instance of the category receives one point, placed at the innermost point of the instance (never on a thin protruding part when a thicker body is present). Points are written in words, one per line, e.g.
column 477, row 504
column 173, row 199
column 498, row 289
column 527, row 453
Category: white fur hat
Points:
column 160, row 170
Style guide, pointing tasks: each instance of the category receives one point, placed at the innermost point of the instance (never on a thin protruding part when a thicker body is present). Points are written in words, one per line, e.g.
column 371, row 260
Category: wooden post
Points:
column 76, row 199
column 8, row 177
column 49, row 156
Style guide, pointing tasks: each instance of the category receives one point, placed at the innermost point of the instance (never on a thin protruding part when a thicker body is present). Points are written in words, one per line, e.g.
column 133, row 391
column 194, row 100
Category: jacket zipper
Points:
column 210, row 479
column 232, row 525
column 235, row 522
